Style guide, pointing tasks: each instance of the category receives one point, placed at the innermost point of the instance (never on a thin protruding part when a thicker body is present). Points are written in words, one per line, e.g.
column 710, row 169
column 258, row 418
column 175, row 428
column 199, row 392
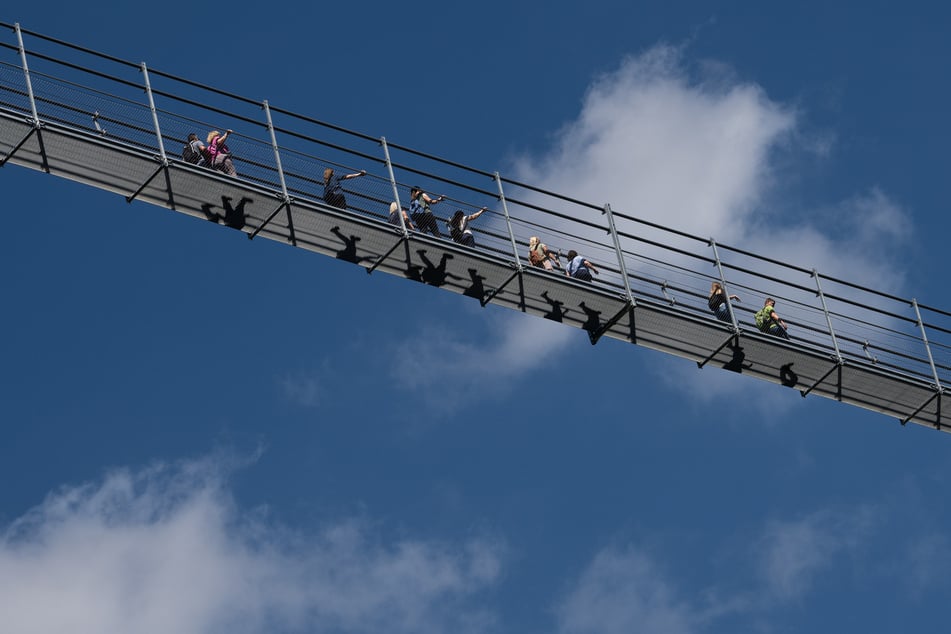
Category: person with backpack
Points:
column 220, row 153
column 195, row 152
column 420, row 207
column 579, row 268
column 540, row 256
column 768, row 320
column 459, row 229
column 333, row 191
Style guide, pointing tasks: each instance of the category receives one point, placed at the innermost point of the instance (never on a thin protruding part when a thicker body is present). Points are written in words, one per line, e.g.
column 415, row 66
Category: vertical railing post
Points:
column 26, row 74
column 726, row 291
column 277, row 153
column 396, row 191
column 825, row 309
column 285, row 197
column 155, row 121
column 620, row 254
column 508, row 222
column 924, row 338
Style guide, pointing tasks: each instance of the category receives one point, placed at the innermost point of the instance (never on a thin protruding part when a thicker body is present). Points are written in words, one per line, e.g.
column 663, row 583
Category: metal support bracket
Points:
column 488, row 298
column 838, row 393
column 161, row 168
column 596, row 336
column 936, row 395
column 723, row 345
column 17, row 147
column 284, row 203
column 403, row 239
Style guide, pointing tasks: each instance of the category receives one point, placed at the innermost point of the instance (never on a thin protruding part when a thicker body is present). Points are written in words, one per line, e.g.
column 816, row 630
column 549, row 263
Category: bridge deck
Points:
column 242, row 204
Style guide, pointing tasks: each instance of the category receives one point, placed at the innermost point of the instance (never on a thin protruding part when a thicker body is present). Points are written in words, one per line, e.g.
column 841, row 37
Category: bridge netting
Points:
column 119, row 125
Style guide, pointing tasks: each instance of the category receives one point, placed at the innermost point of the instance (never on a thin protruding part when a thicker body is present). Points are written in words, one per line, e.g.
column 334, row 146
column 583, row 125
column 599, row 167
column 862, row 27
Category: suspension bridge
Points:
column 96, row 119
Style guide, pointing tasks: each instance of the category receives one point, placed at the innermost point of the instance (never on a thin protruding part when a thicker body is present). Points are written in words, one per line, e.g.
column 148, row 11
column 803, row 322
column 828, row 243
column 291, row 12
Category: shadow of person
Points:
column 432, row 274
column 735, row 364
column 593, row 323
column 787, row 377
column 233, row 216
column 349, row 251
column 556, row 313
column 477, row 289
column 414, row 272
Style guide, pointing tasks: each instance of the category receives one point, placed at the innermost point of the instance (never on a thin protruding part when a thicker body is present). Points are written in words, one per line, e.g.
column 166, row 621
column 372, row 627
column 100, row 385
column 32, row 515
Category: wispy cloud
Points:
column 623, row 591
column 453, row 366
column 166, row 550
column 303, row 389
column 792, row 553
column 629, row 590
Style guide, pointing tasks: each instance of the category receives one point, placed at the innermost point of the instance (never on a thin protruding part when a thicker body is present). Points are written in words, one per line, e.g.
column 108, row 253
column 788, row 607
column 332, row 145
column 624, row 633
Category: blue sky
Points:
column 208, row 434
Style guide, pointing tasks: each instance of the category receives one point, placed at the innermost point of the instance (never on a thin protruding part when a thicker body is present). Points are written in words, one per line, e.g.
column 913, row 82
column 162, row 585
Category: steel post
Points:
column 924, row 338
column 825, row 309
column 26, row 74
column 508, row 222
column 396, row 191
column 155, row 121
column 726, row 291
column 277, row 153
column 620, row 255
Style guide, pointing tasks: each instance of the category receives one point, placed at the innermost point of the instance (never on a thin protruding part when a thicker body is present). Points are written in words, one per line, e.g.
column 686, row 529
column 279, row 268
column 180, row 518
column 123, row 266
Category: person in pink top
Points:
column 220, row 153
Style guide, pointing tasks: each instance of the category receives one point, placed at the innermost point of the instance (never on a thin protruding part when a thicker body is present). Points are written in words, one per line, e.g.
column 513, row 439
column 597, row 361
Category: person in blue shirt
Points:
column 420, row 207
column 579, row 268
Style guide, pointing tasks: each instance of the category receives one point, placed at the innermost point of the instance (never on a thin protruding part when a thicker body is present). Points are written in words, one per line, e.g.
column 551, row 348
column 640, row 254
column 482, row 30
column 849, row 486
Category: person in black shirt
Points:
column 717, row 302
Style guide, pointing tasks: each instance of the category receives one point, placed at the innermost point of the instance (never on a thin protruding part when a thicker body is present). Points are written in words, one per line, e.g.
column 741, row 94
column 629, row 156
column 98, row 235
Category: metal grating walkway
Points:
column 98, row 120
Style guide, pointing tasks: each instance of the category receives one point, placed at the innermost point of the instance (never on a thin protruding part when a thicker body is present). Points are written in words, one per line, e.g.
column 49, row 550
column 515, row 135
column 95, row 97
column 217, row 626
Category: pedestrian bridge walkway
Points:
column 120, row 126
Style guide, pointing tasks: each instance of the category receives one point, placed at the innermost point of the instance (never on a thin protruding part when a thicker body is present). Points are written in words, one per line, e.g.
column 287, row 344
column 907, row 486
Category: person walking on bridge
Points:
column 220, row 153
column 420, row 207
column 579, row 268
column 769, row 321
column 717, row 301
column 459, row 229
column 541, row 256
column 333, row 191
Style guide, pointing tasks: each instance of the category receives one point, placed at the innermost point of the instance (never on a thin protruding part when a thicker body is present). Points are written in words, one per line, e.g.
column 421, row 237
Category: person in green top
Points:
column 769, row 321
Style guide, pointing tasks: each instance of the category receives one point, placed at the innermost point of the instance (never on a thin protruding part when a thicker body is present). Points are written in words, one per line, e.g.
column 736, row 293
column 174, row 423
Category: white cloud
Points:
column 304, row 390
column 793, row 553
column 622, row 591
column 452, row 366
column 166, row 550
column 697, row 149
column 925, row 564
column 691, row 153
